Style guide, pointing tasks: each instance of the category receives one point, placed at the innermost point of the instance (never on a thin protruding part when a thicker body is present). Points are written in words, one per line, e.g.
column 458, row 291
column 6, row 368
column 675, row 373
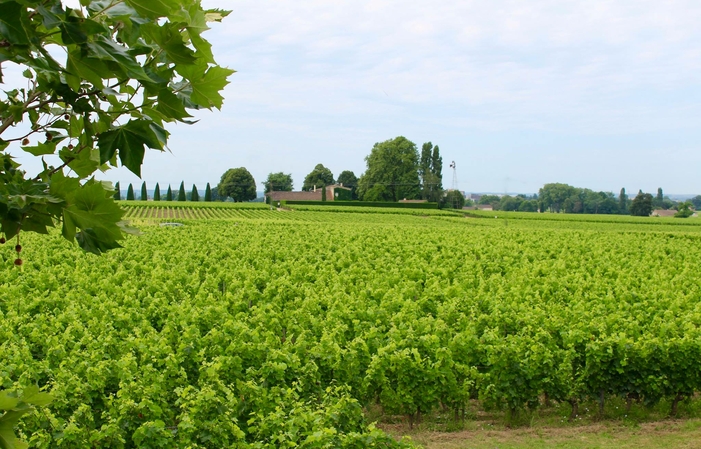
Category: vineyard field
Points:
column 256, row 328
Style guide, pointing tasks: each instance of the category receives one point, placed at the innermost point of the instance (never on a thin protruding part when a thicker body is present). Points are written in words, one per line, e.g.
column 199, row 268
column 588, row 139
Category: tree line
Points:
column 395, row 170
column 180, row 195
column 564, row 198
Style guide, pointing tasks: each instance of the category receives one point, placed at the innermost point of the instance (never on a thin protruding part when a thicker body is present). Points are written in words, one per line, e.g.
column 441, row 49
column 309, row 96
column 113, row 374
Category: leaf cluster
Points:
column 103, row 80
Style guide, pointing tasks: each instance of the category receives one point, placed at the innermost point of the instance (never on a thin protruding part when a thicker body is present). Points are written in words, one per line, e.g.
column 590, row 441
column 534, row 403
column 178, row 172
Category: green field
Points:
column 251, row 327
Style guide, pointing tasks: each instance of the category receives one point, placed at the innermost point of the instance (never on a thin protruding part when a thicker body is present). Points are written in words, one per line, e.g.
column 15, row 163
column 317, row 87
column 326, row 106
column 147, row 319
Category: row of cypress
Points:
column 181, row 196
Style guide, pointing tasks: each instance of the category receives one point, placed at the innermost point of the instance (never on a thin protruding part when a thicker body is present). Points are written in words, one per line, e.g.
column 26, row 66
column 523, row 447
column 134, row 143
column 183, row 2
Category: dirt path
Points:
column 668, row 434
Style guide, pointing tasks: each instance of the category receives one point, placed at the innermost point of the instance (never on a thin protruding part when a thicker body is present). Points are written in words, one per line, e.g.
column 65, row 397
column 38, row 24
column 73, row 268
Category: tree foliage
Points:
column 489, row 199
column 117, row 192
column 684, row 210
column 696, row 201
column 237, row 184
column 559, row 197
column 348, row 179
column 182, row 196
column 194, row 195
column 453, row 199
column 144, row 192
column 392, row 172
column 431, row 173
column 623, row 201
column 641, row 205
column 157, row 193
column 320, row 176
column 130, row 193
column 208, row 194
column 102, row 81
column 279, row 182
column 169, row 194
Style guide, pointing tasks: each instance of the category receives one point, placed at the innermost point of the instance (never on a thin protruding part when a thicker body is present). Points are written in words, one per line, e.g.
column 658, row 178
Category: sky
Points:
column 596, row 94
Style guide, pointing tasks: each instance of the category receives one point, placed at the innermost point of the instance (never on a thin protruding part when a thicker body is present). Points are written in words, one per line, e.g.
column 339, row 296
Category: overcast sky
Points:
column 598, row 94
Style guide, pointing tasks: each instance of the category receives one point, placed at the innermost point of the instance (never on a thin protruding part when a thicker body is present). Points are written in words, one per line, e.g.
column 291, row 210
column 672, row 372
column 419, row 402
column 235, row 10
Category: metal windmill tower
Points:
column 454, row 186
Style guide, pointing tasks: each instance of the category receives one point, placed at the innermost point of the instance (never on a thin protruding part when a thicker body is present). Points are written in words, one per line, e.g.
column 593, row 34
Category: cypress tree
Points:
column 181, row 192
column 157, row 193
column 208, row 193
column 130, row 193
column 323, row 192
column 623, row 202
column 117, row 193
column 144, row 192
column 195, row 195
column 169, row 194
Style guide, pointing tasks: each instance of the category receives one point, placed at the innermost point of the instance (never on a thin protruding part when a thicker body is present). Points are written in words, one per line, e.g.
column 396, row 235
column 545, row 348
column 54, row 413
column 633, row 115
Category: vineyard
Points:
column 257, row 328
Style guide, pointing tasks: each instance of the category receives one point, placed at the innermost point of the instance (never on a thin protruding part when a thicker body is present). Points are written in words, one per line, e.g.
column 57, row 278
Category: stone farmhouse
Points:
column 332, row 192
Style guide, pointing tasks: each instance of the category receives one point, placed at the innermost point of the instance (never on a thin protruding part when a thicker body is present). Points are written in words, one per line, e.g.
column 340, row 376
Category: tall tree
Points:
column 348, row 179
column 279, row 182
column 437, row 172
column 130, row 193
column 181, row 192
column 157, row 193
column 641, row 205
column 169, row 194
column 318, row 177
column 431, row 172
column 558, row 196
column 208, row 194
column 237, row 184
column 144, row 192
column 623, row 202
column 660, row 195
column 392, row 172
column 117, row 192
column 194, row 195
column 102, row 80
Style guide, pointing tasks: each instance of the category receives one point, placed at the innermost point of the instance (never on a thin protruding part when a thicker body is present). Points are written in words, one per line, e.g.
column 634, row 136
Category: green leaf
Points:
column 110, row 8
column 41, row 149
column 206, row 89
column 130, row 140
column 170, row 105
column 92, row 209
column 32, row 395
column 83, row 163
column 7, row 400
column 168, row 37
column 153, row 9
column 107, row 50
column 81, row 68
column 8, row 439
column 203, row 47
column 11, row 23
column 91, row 242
